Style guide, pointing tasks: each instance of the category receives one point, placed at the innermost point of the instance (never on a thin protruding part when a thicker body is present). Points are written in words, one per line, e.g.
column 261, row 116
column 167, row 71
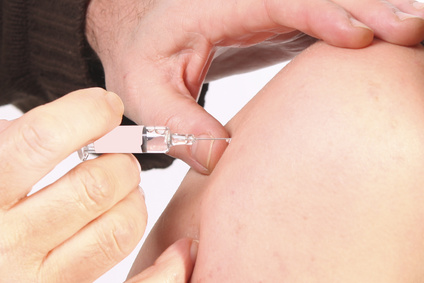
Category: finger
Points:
column 410, row 7
column 174, row 265
column 182, row 115
column 4, row 124
column 98, row 246
column 401, row 24
column 322, row 19
column 56, row 213
column 33, row 144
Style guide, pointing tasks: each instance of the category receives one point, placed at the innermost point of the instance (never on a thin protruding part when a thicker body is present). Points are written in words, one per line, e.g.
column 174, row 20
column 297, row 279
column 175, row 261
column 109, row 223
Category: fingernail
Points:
column 201, row 151
column 418, row 5
column 115, row 102
column 404, row 16
column 194, row 248
column 358, row 24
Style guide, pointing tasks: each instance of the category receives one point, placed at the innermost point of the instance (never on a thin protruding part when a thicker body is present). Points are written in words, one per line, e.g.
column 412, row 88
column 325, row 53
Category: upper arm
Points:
column 323, row 178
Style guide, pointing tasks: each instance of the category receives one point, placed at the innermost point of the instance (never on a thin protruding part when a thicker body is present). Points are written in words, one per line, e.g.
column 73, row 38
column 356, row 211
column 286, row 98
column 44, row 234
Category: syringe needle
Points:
column 213, row 139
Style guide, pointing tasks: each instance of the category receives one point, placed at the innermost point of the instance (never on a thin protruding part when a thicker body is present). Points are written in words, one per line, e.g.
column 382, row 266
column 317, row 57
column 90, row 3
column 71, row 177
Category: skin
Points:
column 323, row 186
column 156, row 53
column 80, row 226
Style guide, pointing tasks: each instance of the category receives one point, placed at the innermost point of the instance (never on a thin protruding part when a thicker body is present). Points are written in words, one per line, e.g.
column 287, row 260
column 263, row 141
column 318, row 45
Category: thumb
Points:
column 163, row 106
column 4, row 124
column 174, row 265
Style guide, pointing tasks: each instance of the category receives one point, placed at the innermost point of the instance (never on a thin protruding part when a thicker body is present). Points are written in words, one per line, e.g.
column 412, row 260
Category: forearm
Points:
column 109, row 23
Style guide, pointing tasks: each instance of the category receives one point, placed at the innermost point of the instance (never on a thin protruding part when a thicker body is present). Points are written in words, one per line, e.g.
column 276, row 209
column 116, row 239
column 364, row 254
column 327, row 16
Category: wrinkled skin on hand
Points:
column 157, row 53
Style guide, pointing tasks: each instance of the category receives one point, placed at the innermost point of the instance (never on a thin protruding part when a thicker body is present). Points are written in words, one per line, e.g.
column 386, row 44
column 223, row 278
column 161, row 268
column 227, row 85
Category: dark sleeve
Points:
column 44, row 53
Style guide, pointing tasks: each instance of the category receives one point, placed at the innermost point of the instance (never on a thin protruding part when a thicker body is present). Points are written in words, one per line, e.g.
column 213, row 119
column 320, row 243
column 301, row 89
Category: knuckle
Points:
column 40, row 137
column 95, row 189
column 14, row 244
column 119, row 237
column 106, row 104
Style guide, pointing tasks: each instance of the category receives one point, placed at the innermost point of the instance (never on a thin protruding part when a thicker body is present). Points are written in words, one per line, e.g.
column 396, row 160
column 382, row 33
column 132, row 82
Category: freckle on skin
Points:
column 373, row 90
column 393, row 124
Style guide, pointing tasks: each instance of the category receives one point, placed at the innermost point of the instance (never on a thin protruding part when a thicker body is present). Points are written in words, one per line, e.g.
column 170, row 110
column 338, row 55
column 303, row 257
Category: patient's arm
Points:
column 323, row 180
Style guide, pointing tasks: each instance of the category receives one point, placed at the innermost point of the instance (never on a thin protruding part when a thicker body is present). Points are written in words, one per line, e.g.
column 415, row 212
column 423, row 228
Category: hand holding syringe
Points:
column 139, row 139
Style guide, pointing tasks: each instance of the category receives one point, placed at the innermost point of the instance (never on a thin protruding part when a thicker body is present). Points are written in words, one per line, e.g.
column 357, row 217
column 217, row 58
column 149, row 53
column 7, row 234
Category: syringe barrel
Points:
column 130, row 139
column 123, row 139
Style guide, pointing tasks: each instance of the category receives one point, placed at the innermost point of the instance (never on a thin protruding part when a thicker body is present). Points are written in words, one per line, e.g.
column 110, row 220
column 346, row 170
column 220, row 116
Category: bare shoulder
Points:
column 324, row 161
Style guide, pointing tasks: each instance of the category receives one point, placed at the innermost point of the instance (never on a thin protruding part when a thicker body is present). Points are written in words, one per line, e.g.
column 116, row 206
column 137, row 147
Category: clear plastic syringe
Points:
column 139, row 139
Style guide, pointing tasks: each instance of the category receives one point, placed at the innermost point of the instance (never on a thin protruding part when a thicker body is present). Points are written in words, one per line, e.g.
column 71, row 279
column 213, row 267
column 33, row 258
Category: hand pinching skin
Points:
column 156, row 54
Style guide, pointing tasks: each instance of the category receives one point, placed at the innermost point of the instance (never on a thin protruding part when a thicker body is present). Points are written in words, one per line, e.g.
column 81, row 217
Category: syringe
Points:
column 139, row 139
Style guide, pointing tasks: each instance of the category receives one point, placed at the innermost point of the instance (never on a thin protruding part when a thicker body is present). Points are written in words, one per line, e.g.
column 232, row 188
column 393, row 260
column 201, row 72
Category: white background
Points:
column 225, row 98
